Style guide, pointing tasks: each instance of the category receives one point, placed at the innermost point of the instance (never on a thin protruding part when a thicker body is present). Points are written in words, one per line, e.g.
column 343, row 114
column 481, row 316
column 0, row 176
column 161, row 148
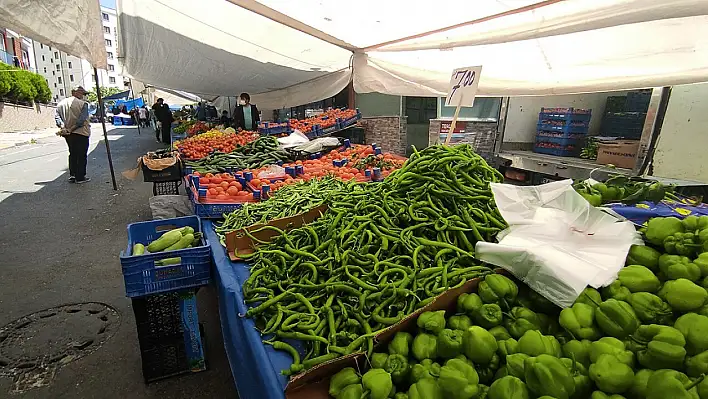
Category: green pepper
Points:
column 602, row 395
column 533, row 343
column 694, row 223
column 499, row 289
column 547, row 375
column 638, row 279
column 674, row 267
column 378, row 383
column 400, row 344
column 507, row 347
column 683, row 295
column 397, row 366
column 593, row 199
column 346, row 376
column 400, row 395
column 578, row 320
column 611, row 375
column 684, row 244
column 611, row 346
column 508, row 387
column 649, row 308
column 432, row 322
column 643, row 255
column 697, row 365
column 515, row 364
column 639, row 386
column 671, row 384
column 616, row 291
column 583, row 384
column 659, row 347
column 479, row 345
column 378, row 360
column 487, row 371
column 500, row 333
column 578, row 350
column 449, row 343
column 425, row 369
column 694, row 328
column 703, row 388
column 616, row 318
column 519, row 320
column 425, row 346
column 488, row 315
column 426, row 388
column 354, row 391
column 539, row 303
column 589, row 296
column 459, row 322
column 659, row 228
column 468, row 303
column 459, row 379
column 702, row 262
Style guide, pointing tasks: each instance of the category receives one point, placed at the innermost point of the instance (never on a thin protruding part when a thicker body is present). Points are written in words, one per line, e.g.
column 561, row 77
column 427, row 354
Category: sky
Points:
column 109, row 3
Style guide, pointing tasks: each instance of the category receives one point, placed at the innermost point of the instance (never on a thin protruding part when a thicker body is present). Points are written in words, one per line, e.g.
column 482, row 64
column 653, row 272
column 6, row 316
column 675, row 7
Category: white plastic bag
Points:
column 272, row 172
column 293, row 139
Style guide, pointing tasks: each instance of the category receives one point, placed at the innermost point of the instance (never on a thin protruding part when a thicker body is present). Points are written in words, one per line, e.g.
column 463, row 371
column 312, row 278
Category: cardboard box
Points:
column 621, row 153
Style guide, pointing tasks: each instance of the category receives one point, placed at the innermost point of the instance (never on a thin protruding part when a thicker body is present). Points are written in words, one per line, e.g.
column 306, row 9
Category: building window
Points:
column 71, row 78
column 111, row 79
column 59, row 79
column 56, row 54
column 61, row 92
column 93, row 78
column 109, row 43
column 47, row 81
column 105, row 16
column 69, row 64
column 42, row 58
column 111, row 67
column 41, row 45
column 51, row 60
column 55, row 85
column 107, row 29
column 53, row 73
column 45, row 69
column 110, row 55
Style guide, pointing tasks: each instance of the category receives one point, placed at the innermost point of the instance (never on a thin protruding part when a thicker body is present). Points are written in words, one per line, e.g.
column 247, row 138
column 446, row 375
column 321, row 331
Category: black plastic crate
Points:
column 615, row 104
column 171, row 173
column 638, row 101
column 163, row 357
column 166, row 187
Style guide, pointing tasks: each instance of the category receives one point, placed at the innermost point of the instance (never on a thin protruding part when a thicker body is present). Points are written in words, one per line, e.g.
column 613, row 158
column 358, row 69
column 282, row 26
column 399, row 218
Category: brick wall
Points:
column 389, row 132
column 14, row 118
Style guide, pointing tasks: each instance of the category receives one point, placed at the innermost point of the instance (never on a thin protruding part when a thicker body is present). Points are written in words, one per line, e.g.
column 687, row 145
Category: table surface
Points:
column 254, row 365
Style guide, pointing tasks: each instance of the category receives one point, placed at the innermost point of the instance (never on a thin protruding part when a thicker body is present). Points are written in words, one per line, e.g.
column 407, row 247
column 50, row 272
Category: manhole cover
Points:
column 34, row 347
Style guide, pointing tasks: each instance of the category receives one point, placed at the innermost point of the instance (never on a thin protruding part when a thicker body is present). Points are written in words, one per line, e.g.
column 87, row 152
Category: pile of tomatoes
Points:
column 197, row 147
column 197, row 128
column 224, row 187
column 324, row 120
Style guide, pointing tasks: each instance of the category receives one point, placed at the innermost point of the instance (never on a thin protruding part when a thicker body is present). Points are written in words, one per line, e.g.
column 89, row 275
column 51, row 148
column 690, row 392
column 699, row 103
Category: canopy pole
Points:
column 103, row 124
column 134, row 107
column 230, row 111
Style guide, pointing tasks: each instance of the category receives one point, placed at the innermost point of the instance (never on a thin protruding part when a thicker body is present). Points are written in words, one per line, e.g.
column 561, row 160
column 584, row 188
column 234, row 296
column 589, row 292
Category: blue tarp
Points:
column 130, row 104
column 254, row 366
column 640, row 213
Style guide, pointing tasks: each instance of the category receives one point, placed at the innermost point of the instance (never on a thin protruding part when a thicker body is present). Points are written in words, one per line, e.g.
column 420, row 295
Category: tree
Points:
column 105, row 92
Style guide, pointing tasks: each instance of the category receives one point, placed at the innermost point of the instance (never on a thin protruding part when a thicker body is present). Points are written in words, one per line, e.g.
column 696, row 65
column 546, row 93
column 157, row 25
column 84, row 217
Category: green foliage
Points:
column 24, row 86
column 105, row 91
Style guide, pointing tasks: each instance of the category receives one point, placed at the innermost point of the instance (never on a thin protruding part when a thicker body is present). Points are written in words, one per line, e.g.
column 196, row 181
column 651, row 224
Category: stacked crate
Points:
column 626, row 120
column 562, row 131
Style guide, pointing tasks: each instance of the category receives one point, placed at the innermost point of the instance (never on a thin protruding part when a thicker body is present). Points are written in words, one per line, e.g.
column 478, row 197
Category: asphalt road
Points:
column 59, row 244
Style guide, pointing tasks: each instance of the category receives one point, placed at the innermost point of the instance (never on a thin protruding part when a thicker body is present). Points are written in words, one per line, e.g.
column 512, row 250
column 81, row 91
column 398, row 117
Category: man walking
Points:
column 164, row 119
column 71, row 117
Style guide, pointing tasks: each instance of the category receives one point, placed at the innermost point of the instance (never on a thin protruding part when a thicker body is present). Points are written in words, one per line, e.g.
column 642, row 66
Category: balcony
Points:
column 14, row 61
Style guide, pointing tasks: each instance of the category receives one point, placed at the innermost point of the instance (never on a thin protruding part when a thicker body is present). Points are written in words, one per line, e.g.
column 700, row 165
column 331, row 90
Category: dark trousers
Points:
column 166, row 127
column 78, row 152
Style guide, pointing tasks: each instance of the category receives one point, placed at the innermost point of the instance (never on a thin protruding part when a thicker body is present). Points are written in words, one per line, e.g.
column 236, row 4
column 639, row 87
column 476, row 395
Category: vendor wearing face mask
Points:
column 246, row 114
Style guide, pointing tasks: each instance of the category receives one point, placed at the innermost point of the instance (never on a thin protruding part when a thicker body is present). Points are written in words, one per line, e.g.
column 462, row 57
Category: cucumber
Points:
column 182, row 243
column 167, row 239
column 168, row 261
column 138, row 249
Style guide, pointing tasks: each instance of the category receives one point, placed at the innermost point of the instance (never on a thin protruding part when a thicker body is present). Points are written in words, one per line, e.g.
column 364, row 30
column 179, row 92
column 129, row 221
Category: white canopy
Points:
column 286, row 53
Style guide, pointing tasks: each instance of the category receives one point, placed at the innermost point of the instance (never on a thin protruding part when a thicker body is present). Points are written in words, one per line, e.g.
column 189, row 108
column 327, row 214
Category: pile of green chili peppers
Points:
column 381, row 251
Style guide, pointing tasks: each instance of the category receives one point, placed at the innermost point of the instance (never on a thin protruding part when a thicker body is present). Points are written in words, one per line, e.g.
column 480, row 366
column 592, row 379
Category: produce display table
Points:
column 254, row 366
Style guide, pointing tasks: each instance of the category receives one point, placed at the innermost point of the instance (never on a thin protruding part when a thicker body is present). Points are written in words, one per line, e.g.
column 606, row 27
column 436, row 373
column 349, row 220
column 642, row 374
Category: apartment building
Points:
column 16, row 50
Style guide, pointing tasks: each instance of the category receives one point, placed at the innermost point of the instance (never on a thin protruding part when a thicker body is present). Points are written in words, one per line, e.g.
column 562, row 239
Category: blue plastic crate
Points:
column 638, row 101
column 566, row 128
column 559, row 140
column 554, row 151
column 565, row 114
column 213, row 211
column 143, row 277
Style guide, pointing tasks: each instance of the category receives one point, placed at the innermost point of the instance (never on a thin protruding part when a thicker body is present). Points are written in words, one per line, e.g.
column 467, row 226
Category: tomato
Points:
column 232, row 191
column 209, row 175
column 216, row 180
column 219, row 189
column 224, row 184
column 256, row 182
column 222, row 197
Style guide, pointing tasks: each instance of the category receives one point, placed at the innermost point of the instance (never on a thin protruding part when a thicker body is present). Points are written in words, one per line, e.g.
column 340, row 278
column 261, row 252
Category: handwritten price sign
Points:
column 463, row 86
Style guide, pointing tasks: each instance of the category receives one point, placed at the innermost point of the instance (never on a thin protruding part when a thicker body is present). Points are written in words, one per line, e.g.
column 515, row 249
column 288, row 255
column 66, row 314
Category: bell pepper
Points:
column 487, row 371
column 458, row 379
column 432, row 322
column 507, row 347
column 593, row 199
column 639, row 386
column 498, row 289
column 578, row 350
column 650, row 309
column 425, row 346
column 515, row 364
column 694, row 328
column 400, row 344
column 611, row 346
column 695, row 223
column 400, row 395
column 589, row 296
column 703, row 311
column 508, row 387
column 578, row 320
column 397, row 366
column 702, row 262
column 346, row 376
column 683, row 295
column 500, row 333
column 684, row 244
column 378, row 383
column 611, row 375
column 547, row 375
column 354, row 391
column 459, row 322
column 583, row 384
column 449, row 343
column 468, row 303
column 616, row 291
column 643, row 255
column 378, row 360
column 659, row 347
column 602, row 395
column 638, row 279
column 488, row 315
column 519, row 320
column 697, row 365
column 671, row 384
column 425, row 369
column 539, row 303
column 616, row 318
column 426, row 388
column 533, row 343
column 703, row 388
column 659, row 228
column 674, row 267
column 479, row 345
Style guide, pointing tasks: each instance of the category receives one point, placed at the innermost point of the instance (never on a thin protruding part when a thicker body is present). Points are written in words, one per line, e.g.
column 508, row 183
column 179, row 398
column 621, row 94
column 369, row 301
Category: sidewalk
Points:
column 18, row 138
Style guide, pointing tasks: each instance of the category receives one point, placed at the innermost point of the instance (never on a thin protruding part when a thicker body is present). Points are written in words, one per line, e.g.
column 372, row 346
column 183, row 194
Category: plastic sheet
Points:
column 641, row 213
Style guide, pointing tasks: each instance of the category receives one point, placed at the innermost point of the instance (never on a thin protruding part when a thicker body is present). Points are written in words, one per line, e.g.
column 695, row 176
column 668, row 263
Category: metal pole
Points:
column 105, row 134
column 134, row 108
column 230, row 111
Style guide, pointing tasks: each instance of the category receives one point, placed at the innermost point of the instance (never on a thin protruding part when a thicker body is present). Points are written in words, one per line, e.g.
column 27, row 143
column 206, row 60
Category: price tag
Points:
column 463, row 86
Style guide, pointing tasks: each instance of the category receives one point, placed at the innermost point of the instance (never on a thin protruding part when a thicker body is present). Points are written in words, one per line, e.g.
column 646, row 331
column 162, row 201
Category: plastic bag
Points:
column 272, row 172
column 293, row 139
column 170, row 206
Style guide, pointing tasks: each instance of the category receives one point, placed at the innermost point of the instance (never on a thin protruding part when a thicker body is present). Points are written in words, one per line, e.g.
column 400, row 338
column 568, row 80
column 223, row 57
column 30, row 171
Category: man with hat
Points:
column 72, row 117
